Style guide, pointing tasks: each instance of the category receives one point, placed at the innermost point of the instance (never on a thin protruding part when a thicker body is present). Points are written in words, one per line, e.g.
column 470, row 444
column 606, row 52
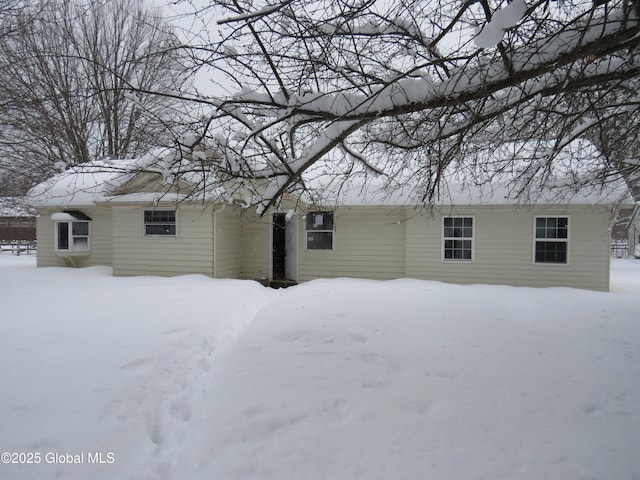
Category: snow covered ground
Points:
column 194, row 378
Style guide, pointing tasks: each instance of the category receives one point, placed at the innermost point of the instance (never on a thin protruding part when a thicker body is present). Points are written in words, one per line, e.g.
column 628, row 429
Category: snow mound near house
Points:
column 192, row 377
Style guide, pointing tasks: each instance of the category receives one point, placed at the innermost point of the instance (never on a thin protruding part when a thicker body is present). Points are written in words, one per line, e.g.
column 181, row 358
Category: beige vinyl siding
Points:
column 99, row 238
column 504, row 243
column 227, row 245
column 45, row 236
column 256, row 234
column 190, row 251
column 368, row 243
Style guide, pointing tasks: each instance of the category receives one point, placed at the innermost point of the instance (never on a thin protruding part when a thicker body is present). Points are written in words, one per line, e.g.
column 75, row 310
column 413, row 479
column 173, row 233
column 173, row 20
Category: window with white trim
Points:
column 457, row 239
column 71, row 231
column 320, row 228
column 160, row 223
column 551, row 240
column 72, row 236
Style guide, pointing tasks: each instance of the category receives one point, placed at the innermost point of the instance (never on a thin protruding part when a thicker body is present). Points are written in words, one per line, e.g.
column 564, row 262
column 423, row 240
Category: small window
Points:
column 160, row 223
column 320, row 229
column 457, row 238
column 72, row 236
column 552, row 240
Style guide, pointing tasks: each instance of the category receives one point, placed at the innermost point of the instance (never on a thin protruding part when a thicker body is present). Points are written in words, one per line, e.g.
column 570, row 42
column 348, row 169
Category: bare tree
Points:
column 9, row 10
column 68, row 77
column 421, row 91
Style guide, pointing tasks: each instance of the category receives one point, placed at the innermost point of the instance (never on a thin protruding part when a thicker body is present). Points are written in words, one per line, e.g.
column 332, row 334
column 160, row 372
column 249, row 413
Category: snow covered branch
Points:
column 421, row 90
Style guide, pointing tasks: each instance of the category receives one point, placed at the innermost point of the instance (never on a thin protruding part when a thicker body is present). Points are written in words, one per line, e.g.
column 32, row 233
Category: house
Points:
column 141, row 223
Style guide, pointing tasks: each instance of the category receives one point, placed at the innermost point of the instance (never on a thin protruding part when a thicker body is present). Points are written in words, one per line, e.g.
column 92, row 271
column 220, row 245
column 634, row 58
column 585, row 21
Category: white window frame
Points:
column 332, row 231
column 71, row 237
column 558, row 240
column 472, row 238
column 160, row 235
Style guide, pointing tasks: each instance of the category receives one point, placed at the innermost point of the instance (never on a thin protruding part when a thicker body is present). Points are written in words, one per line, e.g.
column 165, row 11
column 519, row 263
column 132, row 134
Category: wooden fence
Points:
column 18, row 247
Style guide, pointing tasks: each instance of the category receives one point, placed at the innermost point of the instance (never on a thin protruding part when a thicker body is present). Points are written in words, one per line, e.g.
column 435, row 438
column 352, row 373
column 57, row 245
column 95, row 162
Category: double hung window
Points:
column 457, row 238
column 159, row 223
column 320, row 228
column 551, row 240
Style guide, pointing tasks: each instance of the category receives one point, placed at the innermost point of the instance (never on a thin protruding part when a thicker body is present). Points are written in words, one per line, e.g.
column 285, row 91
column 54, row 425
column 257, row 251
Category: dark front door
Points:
column 279, row 248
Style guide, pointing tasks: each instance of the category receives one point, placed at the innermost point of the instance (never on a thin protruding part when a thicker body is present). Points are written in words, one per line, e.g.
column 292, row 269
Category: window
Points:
column 72, row 236
column 552, row 240
column 160, row 223
column 71, row 231
column 320, row 228
column 457, row 238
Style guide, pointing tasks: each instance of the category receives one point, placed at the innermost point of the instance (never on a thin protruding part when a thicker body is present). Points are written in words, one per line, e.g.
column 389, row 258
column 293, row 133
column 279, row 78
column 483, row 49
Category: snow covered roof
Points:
column 70, row 215
column 373, row 193
column 99, row 181
column 83, row 185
